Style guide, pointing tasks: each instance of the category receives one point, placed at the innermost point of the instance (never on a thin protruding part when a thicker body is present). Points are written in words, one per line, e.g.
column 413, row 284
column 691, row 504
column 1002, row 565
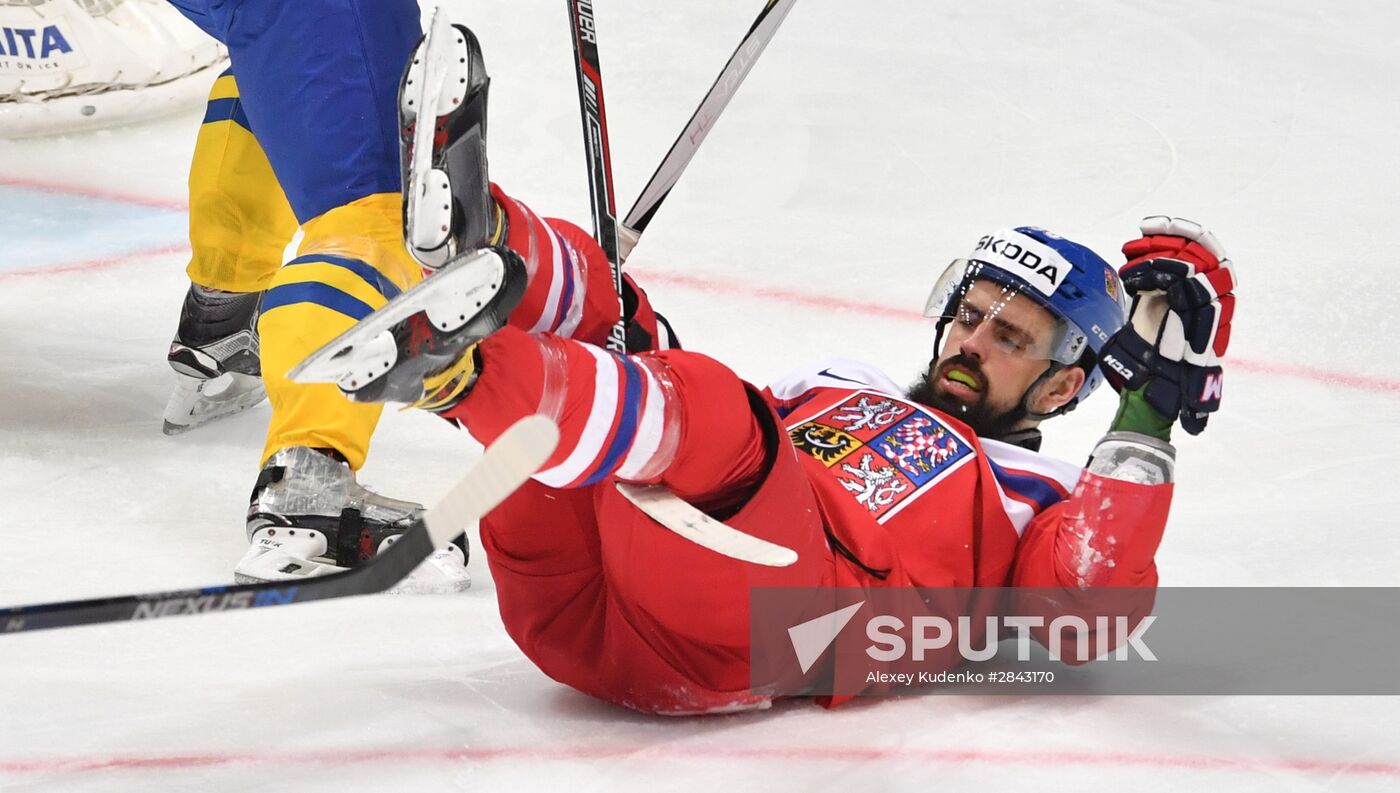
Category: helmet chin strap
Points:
column 1086, row 362
column 1023, row 408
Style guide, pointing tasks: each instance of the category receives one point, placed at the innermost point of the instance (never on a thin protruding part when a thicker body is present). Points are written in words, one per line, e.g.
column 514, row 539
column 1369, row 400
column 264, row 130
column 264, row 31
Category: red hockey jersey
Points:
column 912, row 497
column 917, row 499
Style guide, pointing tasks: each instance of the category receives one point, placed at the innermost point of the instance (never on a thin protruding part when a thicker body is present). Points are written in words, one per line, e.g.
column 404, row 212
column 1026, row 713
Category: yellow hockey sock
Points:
column 350, row 263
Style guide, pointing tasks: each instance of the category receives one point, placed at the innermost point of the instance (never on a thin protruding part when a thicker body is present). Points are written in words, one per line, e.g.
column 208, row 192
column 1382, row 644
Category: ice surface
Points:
column 874, row 142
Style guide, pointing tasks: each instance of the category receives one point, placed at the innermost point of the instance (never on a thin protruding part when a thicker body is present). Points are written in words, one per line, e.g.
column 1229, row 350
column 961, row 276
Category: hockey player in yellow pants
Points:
column 302, row 133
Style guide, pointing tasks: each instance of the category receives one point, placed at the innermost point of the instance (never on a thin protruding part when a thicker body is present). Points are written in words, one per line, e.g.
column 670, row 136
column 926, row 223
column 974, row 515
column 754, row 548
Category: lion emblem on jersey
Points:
column 868, row 414
column 882, row 450
column 875, row 487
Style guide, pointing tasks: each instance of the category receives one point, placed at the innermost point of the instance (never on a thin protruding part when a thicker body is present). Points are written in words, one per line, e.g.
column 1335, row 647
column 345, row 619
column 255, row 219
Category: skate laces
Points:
column 444, row 389
column 498, row 234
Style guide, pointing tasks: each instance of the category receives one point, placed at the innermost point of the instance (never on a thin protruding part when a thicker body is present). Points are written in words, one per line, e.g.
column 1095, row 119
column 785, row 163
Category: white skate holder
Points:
column 367, row 350
column 437, row 80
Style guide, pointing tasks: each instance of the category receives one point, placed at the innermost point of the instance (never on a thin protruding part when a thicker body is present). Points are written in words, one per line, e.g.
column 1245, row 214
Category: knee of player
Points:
column 319, row 283
column 730, row 439
column 368, row 229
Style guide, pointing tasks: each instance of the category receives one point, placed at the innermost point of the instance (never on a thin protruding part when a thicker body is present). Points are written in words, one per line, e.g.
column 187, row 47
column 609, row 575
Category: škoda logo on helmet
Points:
column 1017, row 254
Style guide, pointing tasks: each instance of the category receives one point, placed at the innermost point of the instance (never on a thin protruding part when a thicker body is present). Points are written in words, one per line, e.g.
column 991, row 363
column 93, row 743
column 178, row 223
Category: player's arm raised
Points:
column 1165, row 365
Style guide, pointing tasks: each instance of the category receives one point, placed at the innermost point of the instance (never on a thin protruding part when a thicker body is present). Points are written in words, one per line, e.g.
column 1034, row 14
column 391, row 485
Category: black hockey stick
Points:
column 617, row 242
column 663, row 506
column 700, row 123
column 503, row 467
column 595, row 144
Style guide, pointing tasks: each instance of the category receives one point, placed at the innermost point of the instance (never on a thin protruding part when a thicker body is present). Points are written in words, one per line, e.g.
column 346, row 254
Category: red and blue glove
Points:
column 1182, row 286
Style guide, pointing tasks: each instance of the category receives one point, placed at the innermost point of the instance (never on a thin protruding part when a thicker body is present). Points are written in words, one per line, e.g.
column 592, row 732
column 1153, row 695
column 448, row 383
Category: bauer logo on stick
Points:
column 585, row 18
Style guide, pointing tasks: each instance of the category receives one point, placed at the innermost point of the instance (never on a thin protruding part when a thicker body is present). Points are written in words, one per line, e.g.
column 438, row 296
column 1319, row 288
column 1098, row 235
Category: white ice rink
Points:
column 874, row 142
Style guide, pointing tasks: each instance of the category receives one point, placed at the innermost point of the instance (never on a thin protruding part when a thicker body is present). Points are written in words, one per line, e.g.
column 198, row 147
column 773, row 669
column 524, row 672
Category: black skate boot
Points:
column 215, row 358
column 418, row 349
column 309, row 516
column 448, row 208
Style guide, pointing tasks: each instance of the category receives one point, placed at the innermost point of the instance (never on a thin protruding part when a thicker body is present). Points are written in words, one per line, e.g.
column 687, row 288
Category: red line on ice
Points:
column 1357, row 381
column 826, row 302
column 43, row 186
column 97, row 264
column 794, row 297
column 778, row 294
column 672, row 752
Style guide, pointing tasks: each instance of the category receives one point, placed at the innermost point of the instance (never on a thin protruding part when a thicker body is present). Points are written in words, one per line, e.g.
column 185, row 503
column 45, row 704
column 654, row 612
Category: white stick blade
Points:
column 687, row 521
column 511, row 459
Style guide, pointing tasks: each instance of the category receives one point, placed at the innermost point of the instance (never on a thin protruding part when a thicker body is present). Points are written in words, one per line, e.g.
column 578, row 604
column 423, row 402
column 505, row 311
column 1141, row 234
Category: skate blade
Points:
column 442, row 573
column 196, row 402
column 450, row 297
column 439, row 75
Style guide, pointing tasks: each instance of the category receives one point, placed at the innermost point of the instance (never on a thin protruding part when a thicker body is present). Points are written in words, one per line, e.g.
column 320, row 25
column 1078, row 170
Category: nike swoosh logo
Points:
column 827, row 373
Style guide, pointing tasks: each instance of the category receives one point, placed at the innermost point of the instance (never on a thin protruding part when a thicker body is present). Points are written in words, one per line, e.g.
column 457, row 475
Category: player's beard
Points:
column 984, row 420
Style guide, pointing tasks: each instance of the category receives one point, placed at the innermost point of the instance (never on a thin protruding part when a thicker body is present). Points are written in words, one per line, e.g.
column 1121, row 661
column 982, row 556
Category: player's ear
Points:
column 1057, row 389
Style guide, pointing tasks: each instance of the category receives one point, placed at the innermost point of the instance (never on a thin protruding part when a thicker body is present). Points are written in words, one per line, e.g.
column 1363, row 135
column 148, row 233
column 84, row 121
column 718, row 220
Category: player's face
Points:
column 996, row 347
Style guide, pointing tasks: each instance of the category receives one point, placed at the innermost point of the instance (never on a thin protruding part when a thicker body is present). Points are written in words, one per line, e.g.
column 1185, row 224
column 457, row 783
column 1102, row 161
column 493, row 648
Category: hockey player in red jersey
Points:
column 871, row 484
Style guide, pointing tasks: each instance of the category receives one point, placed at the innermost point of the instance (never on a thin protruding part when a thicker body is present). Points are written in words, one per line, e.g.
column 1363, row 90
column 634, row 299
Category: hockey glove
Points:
column 1182, row 287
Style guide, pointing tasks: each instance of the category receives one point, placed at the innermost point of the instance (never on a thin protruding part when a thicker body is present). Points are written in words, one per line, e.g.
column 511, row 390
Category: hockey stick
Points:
column 658, row 503
column 700, row 123
column 595, row 144
column 676, row 514
column 503, row 467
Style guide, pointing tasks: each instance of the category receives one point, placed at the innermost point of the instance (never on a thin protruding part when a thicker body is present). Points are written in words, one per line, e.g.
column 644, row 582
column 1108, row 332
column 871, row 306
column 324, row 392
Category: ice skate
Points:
column 450, row 220
column 448, row 208
column 215, row 358
column 308, row 516
column 401, row 352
